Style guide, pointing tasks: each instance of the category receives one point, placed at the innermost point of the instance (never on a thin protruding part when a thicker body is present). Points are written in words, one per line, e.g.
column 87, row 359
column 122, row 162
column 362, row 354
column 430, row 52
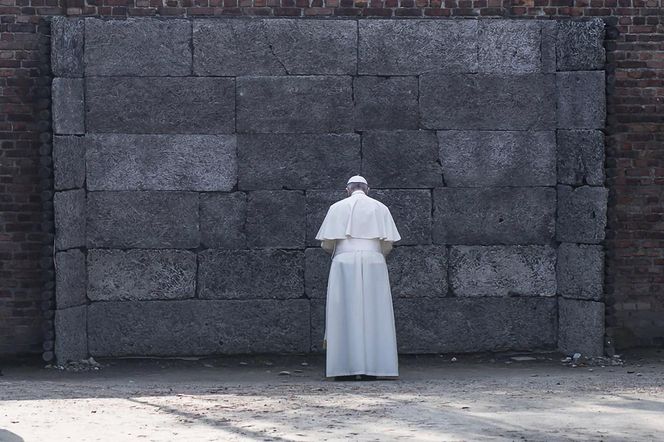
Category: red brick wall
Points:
column 635, row 142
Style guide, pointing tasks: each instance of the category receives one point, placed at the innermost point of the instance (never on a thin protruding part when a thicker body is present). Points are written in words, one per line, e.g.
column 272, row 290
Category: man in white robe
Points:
column 360, row 337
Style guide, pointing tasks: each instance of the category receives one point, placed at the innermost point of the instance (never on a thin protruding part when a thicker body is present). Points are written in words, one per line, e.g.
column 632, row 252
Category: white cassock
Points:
column 359, row 318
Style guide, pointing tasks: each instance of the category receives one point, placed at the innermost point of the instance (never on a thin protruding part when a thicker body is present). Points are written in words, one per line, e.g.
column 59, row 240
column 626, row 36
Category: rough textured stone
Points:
column 581, row 327
column 418, row 271
column 503, row 271
column 198, row 327
column 410, row 47
column 71, row 339
column 274, row 47
column 581, row 100
column 411, row 210
column 498, row 158
column 118, row 275
column 250, row 274
column 385, row 102
column 137, row 46
column 275, row 218
column 549, row 35
column 317, row 204
column 160, row 105
column 580, row 45
column 161, row 162
column 510, row 46
column 401, row 159
column 441, row 325
column 316, row 271
column 581, row 157
column 297, row 161
column 222, row 220
column 580, row 270
column 67, row 46
column 70, row 278
column 294, row 104
column 68, row 108
column 68, row 162
column 503, row 215
column 69, row 214
column 317, row 309
column 581, row 214
column 143, row 219
column 483, row 101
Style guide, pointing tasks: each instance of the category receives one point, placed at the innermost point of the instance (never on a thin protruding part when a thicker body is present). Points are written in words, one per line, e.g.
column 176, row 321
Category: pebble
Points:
column 284, row 373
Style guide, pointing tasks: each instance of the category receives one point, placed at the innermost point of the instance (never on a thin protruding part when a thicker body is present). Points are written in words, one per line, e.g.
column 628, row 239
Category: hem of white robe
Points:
column 366, row 372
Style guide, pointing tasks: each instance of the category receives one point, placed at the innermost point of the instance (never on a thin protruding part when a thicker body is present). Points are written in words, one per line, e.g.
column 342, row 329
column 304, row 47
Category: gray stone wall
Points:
column 195, row 159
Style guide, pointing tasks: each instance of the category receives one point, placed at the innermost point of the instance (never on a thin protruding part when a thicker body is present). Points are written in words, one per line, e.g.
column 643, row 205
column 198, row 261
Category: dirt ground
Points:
column 474, row 398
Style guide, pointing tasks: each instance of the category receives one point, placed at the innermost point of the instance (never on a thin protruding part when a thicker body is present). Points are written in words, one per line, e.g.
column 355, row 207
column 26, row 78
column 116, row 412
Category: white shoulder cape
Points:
column 358, row 216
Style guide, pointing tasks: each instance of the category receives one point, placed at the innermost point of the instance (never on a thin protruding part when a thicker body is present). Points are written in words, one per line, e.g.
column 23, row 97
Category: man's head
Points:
column 357, row 183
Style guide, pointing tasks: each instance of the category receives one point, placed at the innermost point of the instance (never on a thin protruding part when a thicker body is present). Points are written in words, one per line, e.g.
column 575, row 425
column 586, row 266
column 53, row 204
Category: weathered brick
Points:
column 418, row 271
column 411, row 210
column 70, row 279
column 510, row 46
column 69, row 213
column 581, row 328
column 222, row 220
column 580, row 45
column 275, row 218
column 68, row 107
column 68, row 162
column 581, row 102
column 580, row 270
column 385, row 102
column 581, row 214
column 71, row 339
column 67, row 36
column 581, row 157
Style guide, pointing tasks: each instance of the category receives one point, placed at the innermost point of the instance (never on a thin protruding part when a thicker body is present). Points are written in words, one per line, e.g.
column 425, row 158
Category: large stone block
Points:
column 549, row 35
column 68, row 107
column 71, row 338
column 411, row 210
column 69, row 215
column 581, row 214
column 316, row 271
column 581, row 328
column 580, row 45
column 67, row 36
column 503, row 271
column 411, row 47
column 161, row 162
column 418, row 271
column 294, row 104
column 385, row 102
column 510, row 46
column 70, row 279
column 275, row 218
column 580, row 270
column 297, row 161
column 483, row 101
column 317, row 325
column 317, row 204
column 502, row 215
column 250, row 274
column 235, row 47
column 441, row 325
column 498, row 158
column 137, row 47
column 198, row 327
column 68, row 162
column 160, row 105
column 401, row 159
column 222, row 220
column 581, row 102
column 581, row 157
column 143, row 219
column 118, row 275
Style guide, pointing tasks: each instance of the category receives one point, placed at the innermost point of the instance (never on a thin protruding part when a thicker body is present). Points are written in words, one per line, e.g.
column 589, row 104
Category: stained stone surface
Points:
column 503, row 271
column 142, row 219
column 296, row 104
column 161, row 162
column 581, row 327
column 581, row 157
column 401, row 159
column 385, row 102
column 68, row 113
column 67, row 46
column 510, row 46
column 317, row 264
column 580, row 45
column 70, row 278
column 317, row 203
column 317, row 324
column 418, row 271
column 275, row 218
column 498, row 158
column 411, row 47
column 68, row 162
column 71, row 338
column 411, row 210
column 297, row 161
column 580, row 270
column 222, row 220
column 494, row 215
column 160, row 105
column 274, row 47
column 69, row 213
column 118, row 275
column 581, row 102
column 581, row 214
column 198, row 327
column 488, row 101
column 154, row 47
